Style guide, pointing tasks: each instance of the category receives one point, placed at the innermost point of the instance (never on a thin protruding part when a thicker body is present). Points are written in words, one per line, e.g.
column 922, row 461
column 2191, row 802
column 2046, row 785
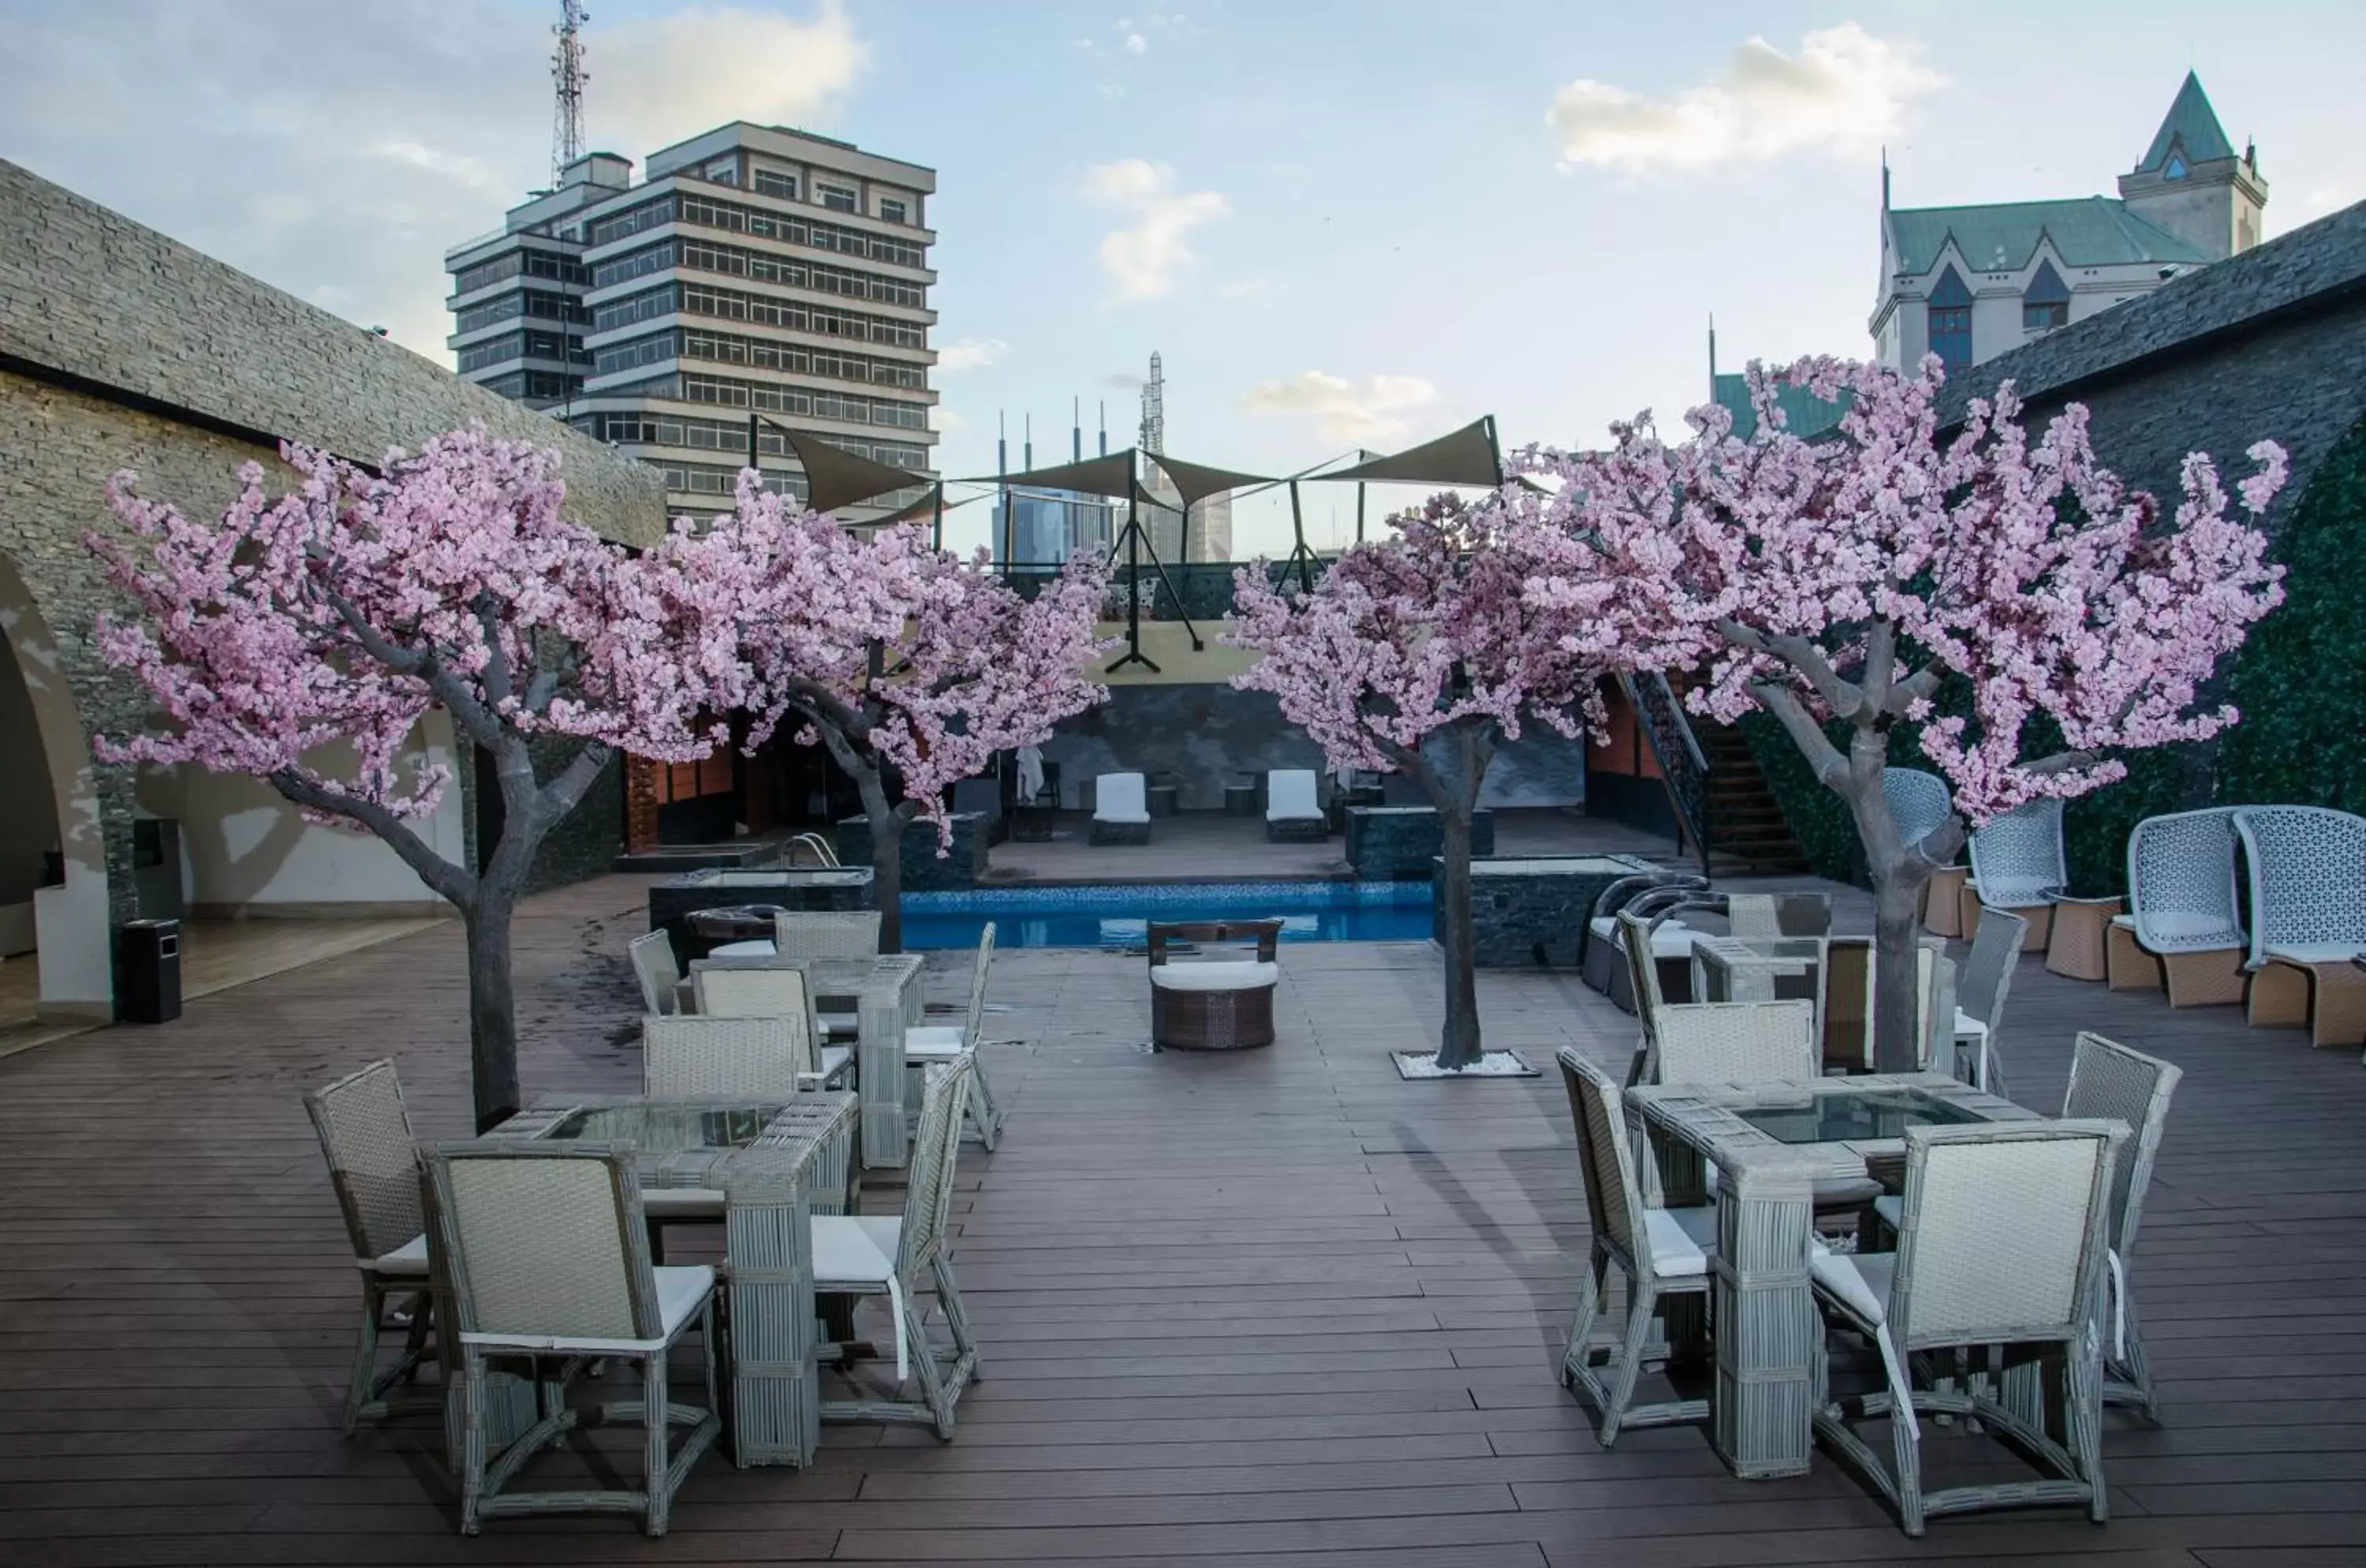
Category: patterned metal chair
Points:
column 825, row 934
column 2308, row 919
column 933, row 1044
column 2017, row 865
column 1919, row 803
column 1218, row 1005
column 365, row 1134
column 2184, row 926
column 1120, row 809
column 1599, row 956
column 772, row 992
column 545, row 1250
column 655, row 968
column 1292, row 814
column 1663, row 1253
column 2001, row 1241
column 1985, row 981
column 900, row 1257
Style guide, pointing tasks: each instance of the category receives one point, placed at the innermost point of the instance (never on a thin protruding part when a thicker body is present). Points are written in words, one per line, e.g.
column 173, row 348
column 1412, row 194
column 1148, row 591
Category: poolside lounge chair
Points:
column 1120, row 809
column 1291, row 814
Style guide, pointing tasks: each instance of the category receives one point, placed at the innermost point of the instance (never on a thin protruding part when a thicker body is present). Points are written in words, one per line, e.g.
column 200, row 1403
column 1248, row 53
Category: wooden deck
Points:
column 1279, row 1309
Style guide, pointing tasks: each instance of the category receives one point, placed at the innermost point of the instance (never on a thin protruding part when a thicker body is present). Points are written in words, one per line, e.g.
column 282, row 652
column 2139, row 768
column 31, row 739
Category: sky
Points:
column 1344, row 223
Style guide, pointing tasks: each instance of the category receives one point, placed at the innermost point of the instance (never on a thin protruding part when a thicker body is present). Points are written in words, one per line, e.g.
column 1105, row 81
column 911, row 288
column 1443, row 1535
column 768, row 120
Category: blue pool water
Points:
column 1115, row 916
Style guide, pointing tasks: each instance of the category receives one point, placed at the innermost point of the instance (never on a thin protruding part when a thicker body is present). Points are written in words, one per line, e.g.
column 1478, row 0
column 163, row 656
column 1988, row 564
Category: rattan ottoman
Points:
column 2081, row 929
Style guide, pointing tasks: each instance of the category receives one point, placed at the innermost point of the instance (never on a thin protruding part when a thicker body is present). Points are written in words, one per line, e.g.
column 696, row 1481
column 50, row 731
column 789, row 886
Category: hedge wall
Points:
column 2298, row 679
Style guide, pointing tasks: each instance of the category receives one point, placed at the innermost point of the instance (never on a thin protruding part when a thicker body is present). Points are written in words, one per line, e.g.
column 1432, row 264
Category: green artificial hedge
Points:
column 2298, row 679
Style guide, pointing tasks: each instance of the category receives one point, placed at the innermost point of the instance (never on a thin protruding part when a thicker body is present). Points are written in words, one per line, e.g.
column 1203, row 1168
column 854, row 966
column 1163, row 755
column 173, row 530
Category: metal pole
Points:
column 1299, row 552
column 937, row 527
column 752, row 449
column 1359, row 512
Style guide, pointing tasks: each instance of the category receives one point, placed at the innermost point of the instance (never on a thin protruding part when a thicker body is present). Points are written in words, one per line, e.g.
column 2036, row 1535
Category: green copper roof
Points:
column 2092, row 230
column 2193, row 123
column 1804, row 413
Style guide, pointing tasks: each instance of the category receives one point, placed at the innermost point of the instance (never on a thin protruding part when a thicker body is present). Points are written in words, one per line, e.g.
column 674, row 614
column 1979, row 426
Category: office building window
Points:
column 837, row 198
column 895, row 213
column 771, row 183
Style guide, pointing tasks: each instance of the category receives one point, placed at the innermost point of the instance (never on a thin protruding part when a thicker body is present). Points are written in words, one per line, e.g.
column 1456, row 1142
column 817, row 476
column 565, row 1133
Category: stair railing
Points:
column 1683, row 768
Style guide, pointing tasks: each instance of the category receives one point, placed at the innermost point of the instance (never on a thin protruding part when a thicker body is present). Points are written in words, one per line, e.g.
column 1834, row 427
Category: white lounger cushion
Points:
column 1289, row 795
column 1681, row 1239
column 1121, row 797
column 1235, row 977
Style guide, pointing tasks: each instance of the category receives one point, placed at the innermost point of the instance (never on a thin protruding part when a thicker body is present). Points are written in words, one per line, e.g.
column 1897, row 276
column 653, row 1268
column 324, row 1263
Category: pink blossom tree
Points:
column 1417, row 653
column 911, row 666
column 347, row 609
column 1844, row 579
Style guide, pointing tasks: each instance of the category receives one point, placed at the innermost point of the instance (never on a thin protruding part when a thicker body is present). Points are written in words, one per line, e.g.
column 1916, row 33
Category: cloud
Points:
column 658, row 79
column 1122, row 381
column 1136, row 44
column 969, row 354
column 1842, row 93
column 1349, row 412
column 1146, row 259
column 1262, row 289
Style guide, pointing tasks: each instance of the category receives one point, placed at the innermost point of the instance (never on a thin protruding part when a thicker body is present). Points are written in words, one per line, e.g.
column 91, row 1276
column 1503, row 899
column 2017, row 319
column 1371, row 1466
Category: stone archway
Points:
column 72, row 928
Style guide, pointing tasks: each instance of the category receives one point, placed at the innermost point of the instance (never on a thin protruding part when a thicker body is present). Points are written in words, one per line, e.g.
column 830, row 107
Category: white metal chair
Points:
column 780, row 992
column 898, row 1257
column 1736, row 1042
column 374, row 1164
column 2184, row 925
column 546, row 1253
column 1291, row 812
column 2017, row 865
column 1919, row 803
column 1120, row 809
column 825, row 934
column 1981, row 989
column 655, row 968
column 2308, row 919
column 929, row 1044
column 1662, row 1252
column 2001, row 1242
column 698, row 1058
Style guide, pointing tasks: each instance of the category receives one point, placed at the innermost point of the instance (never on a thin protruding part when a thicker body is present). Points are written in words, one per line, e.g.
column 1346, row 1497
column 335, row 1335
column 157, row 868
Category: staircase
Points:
column 1746, row 831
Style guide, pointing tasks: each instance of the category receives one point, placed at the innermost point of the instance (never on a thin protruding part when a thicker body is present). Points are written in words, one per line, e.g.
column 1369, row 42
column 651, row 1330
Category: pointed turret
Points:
column 2191, row 182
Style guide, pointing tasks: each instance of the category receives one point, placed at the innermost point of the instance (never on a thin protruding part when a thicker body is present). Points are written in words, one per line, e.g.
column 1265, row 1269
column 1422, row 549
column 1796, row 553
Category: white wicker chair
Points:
column 2308, row 919
column 654, row 968
column 782, row 992
column 825, row 934
column 2109, row 1081
column 2000, row 1252
column 2017, row 865
column 1292, row 813
column 898, row 1257
column 2184, row 926
column 1662, row 1252
column 725, row 1058
column 1120, row 809
column 932, row 1044
column 1736, row 1042
column 1985, row 982
column 374, row 1163
column 545, row 1254
column 1760, row 916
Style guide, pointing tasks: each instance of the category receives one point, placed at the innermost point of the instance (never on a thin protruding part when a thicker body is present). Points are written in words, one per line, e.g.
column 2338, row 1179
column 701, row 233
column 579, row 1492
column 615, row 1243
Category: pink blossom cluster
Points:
column 1852, row 572
column 348, row 607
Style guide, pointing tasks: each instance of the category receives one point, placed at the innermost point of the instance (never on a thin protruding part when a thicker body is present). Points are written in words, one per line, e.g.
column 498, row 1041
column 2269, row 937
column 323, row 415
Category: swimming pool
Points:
column 1110, row 914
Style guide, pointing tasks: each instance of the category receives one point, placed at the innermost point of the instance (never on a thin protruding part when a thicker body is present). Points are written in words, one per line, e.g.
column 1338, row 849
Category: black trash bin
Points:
column 148, row 975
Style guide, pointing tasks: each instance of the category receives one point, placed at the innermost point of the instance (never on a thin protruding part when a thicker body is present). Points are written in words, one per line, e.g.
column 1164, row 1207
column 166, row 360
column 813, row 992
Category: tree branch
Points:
column 1917, row 687
column 561, row 795
column 1824, row 758
column 1880, row 664
column 452, row 883
column 497, row 658
column 2062, row 763
column 1805, row 657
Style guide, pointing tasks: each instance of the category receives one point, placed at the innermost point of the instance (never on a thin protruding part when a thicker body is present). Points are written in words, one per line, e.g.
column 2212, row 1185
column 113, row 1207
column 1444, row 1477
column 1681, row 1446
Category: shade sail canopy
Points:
column 835, row 478
column 1111, row 475
column 1468, row 456
column 1194, row 481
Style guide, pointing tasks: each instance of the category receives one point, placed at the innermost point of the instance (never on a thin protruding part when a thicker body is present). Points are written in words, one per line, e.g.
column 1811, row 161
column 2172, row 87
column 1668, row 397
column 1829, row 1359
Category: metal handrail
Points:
column 1683, row 767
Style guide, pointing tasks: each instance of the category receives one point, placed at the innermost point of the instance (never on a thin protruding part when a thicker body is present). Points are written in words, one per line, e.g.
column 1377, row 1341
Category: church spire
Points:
column 2191, row 129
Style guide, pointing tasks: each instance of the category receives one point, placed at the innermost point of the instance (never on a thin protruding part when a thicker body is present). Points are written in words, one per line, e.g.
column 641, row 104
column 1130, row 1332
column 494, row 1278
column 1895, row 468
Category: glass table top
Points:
column 1855, row 1115
column 670, row 1129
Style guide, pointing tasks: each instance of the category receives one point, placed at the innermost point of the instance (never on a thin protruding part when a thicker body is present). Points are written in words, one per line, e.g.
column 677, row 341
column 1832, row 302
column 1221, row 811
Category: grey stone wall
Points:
column 1531, row 910
column 1389, row 843
column 925, row 871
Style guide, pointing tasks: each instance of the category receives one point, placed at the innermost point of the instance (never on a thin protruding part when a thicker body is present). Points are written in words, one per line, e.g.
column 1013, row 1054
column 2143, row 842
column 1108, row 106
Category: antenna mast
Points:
column 567, row 72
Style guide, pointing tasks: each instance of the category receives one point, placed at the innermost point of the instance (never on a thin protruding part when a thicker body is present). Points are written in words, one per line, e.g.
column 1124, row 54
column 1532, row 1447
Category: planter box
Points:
column 1528, row 909
column 961, row 867
column 1388, row 843
column 674, row 900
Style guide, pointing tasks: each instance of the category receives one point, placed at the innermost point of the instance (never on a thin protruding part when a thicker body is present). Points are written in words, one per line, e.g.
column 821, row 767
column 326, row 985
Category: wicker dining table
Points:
column 768, row 1168
column 1755, row 969
column 1770, row 1144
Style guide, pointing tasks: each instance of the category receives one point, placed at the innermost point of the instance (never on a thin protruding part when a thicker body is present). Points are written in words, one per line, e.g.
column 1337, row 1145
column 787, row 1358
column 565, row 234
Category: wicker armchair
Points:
column 655, row 968
column 1599, row 957
column 2184, row 928
column 2017, row 865
column 1667, row 940
column 2308, row 919
column 1662, row 1252
column 825, row 934
column 1735, row 1043
column 1120, row 809
column 365, row 1134
column 1213, row 1006
column 932, row 1044
column 898, row 1257
column 1763, row 916
column 545, row 1254
column 1985, row 982
column 772, row 992
column 768, row 1058
column 2001, row 1243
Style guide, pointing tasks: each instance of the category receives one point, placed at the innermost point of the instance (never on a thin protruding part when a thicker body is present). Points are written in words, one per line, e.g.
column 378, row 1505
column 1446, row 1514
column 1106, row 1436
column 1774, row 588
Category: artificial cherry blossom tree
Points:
column 1417, row 653
column 912, row 666
column 1846, row 578
column 347, row 609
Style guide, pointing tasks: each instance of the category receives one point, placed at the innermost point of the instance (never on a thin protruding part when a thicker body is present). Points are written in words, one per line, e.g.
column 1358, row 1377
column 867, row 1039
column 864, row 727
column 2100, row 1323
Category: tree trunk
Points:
column 1458, row 1043
column 492, row 1017
column 888, row 826
column 1896, row 1025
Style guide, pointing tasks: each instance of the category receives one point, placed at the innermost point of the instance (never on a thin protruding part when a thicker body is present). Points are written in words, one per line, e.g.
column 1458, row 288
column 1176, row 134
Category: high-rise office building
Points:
column 752, row 271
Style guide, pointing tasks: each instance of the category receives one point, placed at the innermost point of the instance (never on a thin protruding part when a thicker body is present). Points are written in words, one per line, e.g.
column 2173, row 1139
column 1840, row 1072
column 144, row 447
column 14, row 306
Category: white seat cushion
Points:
column 1112, row 815
column 755, row 947
column 846, row 1253
column 683, row 1203
column 1891, row 1208
column 1604, row 927
column 1681, row 1239
column 2183, row 931
column 1234, row 977
column 1967, row 1027
column 681, row 1288
column 839, row 1025
column 1673, row 939
column 935, row 1039
column 1858, row 1280
column 836, row 1059
column 2127, row 920
column 2317, row 952
column 409, row 1260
